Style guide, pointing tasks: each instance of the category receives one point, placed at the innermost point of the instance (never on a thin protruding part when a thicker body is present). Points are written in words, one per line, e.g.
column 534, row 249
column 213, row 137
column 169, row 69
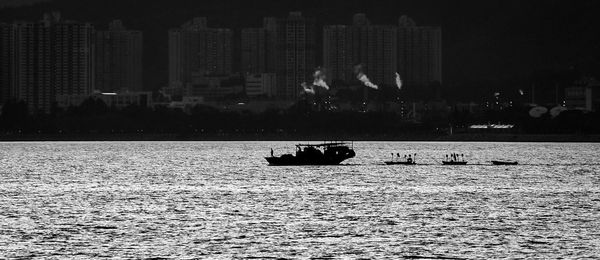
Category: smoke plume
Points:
column 307, row 89
column 360, row 75
column 363, row 78
column 319, row 79
column 398, row 81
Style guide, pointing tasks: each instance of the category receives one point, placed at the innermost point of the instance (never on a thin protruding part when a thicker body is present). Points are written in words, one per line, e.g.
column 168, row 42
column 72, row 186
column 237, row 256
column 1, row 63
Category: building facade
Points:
column 284, row 46
column 296, row 42
column 419, row 53
column 262, row 84
column 49, row 58
column 254, row 50
column 585, row 94
column 374, row 46
column 118, row 59
column 7, row 61
column 195, row 48
column 337, row 57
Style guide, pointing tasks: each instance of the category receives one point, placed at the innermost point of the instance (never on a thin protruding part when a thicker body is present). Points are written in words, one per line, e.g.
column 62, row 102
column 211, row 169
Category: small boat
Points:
column 315, row 154
column 400, row 162
column 454, row 162
column 505, row 162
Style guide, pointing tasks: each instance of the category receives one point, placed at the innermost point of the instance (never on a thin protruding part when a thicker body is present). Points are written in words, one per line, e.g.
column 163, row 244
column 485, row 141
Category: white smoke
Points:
column 360, row 75
column 319, row 79
column 321, row 83
column 363, row 78
column 398, row 81
column 307, row 89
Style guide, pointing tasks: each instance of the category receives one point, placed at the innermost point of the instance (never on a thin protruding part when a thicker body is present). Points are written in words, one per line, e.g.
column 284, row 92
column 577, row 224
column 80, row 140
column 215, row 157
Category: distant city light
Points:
column 492, row 126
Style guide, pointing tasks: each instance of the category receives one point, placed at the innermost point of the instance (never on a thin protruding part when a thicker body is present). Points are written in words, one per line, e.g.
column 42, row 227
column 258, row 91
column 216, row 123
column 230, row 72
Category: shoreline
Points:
column 565, row 138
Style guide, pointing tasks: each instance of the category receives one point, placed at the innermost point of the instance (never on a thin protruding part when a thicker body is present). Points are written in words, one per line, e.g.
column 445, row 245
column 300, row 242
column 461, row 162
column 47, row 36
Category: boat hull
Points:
column 504, row 163
column 454, row 163
column 292, row 161
column 400, row 163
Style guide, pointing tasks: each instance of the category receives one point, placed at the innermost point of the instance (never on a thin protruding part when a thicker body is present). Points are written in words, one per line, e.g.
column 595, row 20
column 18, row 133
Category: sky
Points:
column 13, row 3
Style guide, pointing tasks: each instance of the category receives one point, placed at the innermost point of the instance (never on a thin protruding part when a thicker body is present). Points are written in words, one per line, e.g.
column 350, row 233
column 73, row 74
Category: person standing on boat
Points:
column 271, row 152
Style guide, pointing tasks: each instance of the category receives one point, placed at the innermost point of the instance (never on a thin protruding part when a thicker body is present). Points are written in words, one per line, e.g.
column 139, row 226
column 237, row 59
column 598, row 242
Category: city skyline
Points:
column 220, row 59
column 482, row 40
column 283, row 52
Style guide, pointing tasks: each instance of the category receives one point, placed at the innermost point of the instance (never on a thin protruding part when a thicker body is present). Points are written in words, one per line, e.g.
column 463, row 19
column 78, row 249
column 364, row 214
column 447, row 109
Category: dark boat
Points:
column 400, row 162
column 504, row 163
column 315, row 154
column 454, row 162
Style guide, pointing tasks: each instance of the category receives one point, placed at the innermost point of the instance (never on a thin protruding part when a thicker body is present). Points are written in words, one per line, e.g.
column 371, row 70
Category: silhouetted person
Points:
column 271, row 152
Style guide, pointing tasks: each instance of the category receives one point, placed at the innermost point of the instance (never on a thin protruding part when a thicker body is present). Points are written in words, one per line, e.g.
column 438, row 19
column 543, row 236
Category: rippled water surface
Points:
column 184, row 200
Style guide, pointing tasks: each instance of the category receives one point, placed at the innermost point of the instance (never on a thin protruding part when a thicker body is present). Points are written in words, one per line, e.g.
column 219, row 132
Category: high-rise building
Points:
column 195, row 48
column 259, row 51
column 419, row 53
column 337, row 52
column 73, row 46
column 51, row 57
column 296, row 42
column 118, row 59
column 284, row 46
column 7, row 56
column 290, row 45
column 374, row 46
column 254, row 50
column 270, row 25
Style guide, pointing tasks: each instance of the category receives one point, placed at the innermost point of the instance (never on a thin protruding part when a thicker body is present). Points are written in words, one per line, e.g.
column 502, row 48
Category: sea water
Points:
column 184, row 200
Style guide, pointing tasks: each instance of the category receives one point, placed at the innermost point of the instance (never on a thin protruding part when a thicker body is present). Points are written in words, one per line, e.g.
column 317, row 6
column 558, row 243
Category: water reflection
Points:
column 221, row 200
